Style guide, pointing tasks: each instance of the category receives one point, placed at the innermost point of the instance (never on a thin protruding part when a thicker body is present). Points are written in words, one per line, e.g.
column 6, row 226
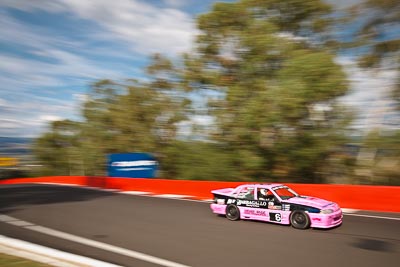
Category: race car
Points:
column 275, row 203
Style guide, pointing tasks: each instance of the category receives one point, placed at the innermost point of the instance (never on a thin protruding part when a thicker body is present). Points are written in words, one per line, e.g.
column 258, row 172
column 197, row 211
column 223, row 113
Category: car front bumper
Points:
column 319, row 220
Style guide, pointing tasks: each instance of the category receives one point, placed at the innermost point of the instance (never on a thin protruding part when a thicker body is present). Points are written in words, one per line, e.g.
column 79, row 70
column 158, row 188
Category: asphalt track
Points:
column 186, row 232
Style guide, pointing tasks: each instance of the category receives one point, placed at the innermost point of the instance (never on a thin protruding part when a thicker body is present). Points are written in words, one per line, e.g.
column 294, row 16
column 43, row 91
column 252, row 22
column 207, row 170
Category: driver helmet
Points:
column 263, row 191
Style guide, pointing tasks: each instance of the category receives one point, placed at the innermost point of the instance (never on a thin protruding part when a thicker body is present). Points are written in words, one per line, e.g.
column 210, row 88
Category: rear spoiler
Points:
column 223, row 192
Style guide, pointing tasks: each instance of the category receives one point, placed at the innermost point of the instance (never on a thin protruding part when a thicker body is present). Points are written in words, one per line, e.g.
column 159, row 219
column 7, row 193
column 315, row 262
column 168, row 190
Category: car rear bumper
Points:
column 218, row 208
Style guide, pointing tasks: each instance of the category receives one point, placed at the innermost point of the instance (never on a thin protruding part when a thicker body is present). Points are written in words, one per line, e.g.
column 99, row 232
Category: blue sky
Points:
column 51, row 50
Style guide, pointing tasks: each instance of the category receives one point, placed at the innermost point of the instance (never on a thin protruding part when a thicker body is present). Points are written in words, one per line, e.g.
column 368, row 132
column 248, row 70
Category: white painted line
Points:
column 99, row 189
column 373, row 216
column 20, row 223
column 5, row 218
column 47, row 255
column 104, row 246
column 345, row 210
column 135, row 192
column 48, row 183
column 109, row 190
column 172, row 196
column 193, row 200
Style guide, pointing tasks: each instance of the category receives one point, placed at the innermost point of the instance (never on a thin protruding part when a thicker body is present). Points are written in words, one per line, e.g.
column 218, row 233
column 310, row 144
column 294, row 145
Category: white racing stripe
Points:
column 91, row 243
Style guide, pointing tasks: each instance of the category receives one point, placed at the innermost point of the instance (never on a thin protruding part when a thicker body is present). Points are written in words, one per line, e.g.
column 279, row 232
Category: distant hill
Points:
column 15, row 145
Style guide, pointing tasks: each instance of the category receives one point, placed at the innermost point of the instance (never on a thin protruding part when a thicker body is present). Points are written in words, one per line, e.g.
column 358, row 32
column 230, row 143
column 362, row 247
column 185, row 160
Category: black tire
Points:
column 232, row 212
column 299, row 219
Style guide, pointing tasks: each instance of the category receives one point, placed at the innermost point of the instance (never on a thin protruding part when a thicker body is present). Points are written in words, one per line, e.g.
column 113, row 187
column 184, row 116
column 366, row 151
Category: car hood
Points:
column 313, row 202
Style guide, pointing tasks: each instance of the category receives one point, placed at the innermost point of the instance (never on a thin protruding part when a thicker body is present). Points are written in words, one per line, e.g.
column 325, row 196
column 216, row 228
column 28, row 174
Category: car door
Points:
column 251, row 207
column 274, row 208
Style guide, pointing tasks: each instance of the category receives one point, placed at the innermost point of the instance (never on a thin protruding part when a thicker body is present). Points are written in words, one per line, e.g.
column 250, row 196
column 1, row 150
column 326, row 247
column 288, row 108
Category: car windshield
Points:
column 285, row 192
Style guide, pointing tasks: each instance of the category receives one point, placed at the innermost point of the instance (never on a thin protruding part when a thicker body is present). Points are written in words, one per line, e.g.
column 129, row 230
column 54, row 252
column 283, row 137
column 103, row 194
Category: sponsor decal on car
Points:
column 231, row 201
column 275, row 217
column 251, row 203
column 255, row 212
column 275, row 207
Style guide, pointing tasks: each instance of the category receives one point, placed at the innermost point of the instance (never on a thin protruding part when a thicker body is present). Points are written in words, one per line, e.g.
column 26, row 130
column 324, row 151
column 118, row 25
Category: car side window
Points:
column 264, row 194
column 246, row 193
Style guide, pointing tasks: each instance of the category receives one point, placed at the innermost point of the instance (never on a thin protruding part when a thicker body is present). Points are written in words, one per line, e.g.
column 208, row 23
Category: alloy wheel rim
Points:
column 232, row 211
column 299, row 218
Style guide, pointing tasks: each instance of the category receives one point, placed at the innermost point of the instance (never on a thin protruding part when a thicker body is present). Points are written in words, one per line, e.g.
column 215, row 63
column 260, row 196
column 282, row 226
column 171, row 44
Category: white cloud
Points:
column 369, row 93
column 31, row 115
column 147, row 28
column 29, row 5
column 81, row 97
column 14, row 32
column 204, row 120
column 3, row 103
column 366, row 85
column 52, row 63
column 49, row 118
column 50, row 59
column 25, row 74
column 8, row 123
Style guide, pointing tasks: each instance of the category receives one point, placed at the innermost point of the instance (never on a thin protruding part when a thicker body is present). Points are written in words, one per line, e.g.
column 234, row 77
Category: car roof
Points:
column 263, row 185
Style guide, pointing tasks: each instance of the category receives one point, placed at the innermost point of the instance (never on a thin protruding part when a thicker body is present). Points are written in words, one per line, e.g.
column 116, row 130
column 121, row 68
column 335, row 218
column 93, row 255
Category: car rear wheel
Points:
column 299, row 219
column 232, row 212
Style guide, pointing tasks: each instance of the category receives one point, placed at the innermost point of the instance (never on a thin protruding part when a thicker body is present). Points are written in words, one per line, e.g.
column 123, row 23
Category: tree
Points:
column 378, row 39
column 276, row 108
column 379, row 159
column 118, row 117
column 264, row 76
column 59, row 149
column 379, row 36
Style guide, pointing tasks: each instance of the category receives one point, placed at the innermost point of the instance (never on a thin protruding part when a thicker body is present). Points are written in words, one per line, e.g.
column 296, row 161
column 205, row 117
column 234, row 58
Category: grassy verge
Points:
column 12, row 261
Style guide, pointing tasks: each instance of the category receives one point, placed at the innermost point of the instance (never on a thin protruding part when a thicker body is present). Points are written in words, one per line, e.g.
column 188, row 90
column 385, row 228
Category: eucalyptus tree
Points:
column 275, row 85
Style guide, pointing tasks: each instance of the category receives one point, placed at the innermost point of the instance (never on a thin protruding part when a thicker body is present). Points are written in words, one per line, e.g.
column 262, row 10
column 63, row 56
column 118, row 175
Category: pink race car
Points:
column 275, row 203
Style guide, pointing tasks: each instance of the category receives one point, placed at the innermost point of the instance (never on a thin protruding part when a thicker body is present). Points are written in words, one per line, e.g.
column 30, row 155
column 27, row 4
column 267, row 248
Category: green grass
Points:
column 12, row 261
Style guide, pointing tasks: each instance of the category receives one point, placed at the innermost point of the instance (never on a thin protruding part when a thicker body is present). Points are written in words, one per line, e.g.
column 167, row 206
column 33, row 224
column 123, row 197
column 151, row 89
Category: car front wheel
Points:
column 299, row 219
column 232, row 212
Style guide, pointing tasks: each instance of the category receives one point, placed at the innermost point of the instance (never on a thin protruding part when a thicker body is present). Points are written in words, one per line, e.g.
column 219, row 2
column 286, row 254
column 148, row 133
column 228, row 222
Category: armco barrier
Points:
column 364, row 197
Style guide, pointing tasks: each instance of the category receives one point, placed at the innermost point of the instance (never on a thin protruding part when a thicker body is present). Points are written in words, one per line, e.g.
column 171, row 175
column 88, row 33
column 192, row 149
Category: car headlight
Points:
column 327, row 211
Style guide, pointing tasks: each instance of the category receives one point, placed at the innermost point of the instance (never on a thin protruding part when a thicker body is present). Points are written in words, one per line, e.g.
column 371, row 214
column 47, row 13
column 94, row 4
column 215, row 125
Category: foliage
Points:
column 268, row 86
column 117, row 118
column 199, row 161
column 379, row 159
column 380, row 36
column 278, row 113
column 379, row 39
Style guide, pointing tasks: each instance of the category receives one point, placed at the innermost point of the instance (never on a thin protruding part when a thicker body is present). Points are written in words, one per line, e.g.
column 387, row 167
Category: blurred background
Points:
column 254, row 90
